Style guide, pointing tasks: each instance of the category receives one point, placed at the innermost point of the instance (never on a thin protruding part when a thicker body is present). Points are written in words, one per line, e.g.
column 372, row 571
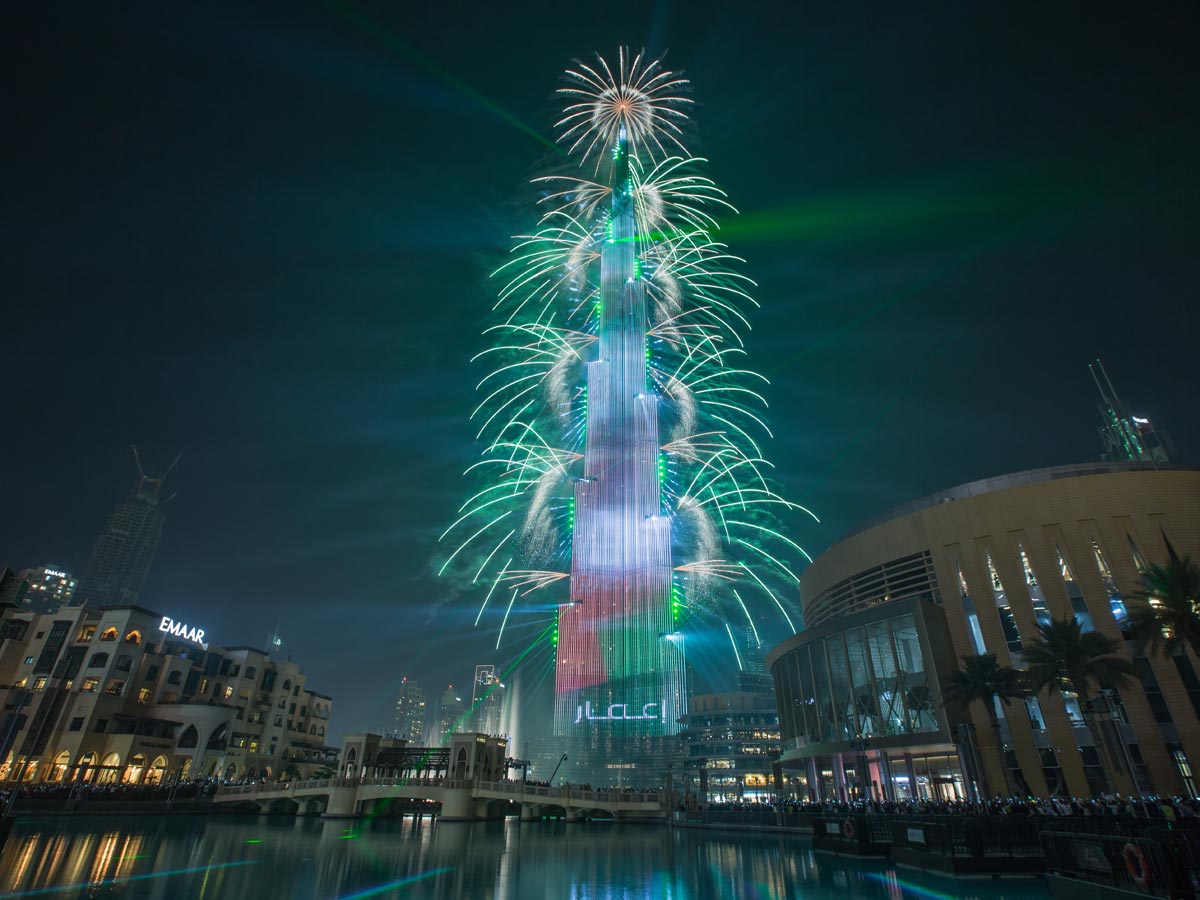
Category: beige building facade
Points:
column 983, row 564
column 125, row 695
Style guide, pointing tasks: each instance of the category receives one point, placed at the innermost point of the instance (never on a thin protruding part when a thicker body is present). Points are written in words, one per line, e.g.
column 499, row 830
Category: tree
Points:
column 1166, row 617
column 982, row 678
column 1066, row 658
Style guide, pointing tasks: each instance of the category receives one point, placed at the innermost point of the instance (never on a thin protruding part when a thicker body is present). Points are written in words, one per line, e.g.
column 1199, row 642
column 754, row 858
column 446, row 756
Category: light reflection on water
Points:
column 313, row 859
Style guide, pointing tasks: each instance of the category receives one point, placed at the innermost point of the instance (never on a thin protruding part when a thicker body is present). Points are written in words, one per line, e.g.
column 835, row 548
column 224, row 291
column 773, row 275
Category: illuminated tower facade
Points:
column 622, row 480
column 619, row 673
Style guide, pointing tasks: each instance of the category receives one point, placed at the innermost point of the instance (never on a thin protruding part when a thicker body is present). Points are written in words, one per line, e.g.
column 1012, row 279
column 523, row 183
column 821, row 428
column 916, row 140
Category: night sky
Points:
column 262, row 237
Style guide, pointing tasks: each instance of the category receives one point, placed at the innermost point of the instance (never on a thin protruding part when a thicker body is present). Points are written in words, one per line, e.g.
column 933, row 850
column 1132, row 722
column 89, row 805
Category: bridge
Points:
column 460, row 799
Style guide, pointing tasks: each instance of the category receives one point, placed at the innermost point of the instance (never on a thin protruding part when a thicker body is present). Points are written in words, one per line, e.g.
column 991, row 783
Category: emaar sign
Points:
column 178, row 629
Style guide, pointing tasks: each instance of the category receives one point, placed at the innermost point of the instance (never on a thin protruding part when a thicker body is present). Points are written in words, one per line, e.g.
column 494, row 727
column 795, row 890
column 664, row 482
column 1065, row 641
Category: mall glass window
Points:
column 1078, row 606
column 1116, row 601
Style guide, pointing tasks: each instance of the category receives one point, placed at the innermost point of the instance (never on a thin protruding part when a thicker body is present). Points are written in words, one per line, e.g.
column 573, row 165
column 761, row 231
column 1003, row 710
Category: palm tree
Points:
column 1067, row 658
column 982, row 678
column 1167, row 616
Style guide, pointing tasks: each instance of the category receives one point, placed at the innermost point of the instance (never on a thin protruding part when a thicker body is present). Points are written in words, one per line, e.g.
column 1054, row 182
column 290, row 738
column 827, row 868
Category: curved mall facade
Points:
column 890, row 608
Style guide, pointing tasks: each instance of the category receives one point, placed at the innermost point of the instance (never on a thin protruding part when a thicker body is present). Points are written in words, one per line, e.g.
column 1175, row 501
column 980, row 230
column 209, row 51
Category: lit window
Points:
column 89, row 685
column 39, row 683
column 29, row 660
column 144, row 695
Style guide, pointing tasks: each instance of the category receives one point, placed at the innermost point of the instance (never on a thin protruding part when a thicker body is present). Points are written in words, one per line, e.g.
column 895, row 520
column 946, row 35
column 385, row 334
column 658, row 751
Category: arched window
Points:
column 109, row 767
column 134, row 637
column 175, row 677
column 124, row 662
column 189, row 738
column 321, row 731
column 287, row 685
column 312, row 730
column 59, row 770
column 98, row 660
column 216, row 740
column 109, row 633
column 157, row 769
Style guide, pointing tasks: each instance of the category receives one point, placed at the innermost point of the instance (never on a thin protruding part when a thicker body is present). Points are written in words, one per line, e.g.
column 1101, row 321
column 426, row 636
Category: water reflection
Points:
column 312, row 859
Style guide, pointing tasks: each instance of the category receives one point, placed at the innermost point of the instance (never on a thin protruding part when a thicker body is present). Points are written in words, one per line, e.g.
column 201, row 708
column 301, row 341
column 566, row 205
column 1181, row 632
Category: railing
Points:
column 1157, row 863
column 968, row 836
column 513, row 788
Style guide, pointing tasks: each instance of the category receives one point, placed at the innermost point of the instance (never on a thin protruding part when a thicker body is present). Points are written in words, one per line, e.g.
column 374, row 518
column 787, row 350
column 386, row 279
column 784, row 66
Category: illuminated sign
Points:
column 616, row 711
column 55, row 573
column 178, row 629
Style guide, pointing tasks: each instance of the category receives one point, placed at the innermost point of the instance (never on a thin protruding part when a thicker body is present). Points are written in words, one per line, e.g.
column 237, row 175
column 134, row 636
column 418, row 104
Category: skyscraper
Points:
column 410, row 713
column 487, row 701
column 124, row 551
column 447, row 718
column 622, row 476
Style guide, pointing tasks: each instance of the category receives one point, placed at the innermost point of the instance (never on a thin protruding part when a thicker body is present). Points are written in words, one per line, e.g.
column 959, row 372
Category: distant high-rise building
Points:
column 410, row 713
column 487, row 701
column 447, row 718
column 754, row 677
column 47, row 589
column 1126, row 437
column 125, row 549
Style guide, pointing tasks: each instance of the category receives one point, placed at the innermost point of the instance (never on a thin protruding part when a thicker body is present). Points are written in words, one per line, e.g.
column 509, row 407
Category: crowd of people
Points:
column 1171, row 809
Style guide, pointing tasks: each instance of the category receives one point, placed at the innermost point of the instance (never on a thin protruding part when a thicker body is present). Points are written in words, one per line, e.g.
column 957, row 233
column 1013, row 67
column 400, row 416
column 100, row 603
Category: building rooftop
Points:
column 1004, row 482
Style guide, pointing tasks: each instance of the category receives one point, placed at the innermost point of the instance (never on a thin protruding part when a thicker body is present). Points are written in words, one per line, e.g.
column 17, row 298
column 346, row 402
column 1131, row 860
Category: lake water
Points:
column 314, row 859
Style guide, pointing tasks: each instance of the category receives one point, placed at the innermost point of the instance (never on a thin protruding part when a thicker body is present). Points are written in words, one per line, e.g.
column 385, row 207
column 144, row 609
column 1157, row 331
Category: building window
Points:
column 108, row 634
column 89, row 685
column 86, row 633
column 228, row 691
column 144, row 695
column 1116, row 602
column 134, row 637
column 1040, row 610
column 1184, row 768
column 124, row 662
column 175, row 677
column 203, row 685
column 1012, row 636
column 29, row 660
column 1078, row 606
column 151, row 673
column 251, row 672
column 968, row 606
column 1191, row 683
column 1154, row 695
column 39, row 683
column 279, row 721
column 101, row 724
column 98, row 660
column 76, row 724
column 115, row 687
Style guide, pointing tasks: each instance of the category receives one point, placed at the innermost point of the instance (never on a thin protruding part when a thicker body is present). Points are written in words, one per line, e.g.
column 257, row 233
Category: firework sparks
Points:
column 621, row 315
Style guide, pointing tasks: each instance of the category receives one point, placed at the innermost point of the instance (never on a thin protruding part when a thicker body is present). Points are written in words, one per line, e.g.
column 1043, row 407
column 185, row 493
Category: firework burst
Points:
column 618, row 412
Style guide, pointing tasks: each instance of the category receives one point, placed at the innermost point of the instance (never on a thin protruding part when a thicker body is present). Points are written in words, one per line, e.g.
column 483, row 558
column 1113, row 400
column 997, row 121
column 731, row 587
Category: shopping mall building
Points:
column 127, row 695
column 890, row 608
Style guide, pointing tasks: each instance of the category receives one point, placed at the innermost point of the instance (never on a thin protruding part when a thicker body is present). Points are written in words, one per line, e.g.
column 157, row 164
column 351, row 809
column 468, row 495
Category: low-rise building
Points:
column 124, row 694
column 729, row 744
